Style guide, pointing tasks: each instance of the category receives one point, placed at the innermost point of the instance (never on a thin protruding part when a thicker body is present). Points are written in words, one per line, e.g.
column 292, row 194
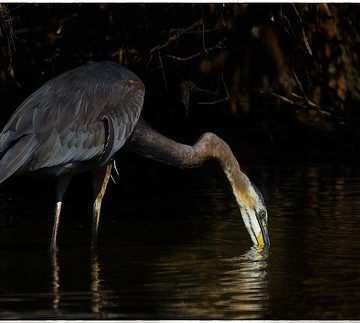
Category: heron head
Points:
column 254, row 214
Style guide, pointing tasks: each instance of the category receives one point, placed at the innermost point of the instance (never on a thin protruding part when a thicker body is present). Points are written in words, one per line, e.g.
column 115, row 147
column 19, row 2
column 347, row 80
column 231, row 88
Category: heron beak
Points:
column 263, row 237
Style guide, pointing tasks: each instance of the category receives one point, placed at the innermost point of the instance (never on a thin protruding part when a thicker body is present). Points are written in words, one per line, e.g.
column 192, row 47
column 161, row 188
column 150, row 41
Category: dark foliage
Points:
column 283, row 76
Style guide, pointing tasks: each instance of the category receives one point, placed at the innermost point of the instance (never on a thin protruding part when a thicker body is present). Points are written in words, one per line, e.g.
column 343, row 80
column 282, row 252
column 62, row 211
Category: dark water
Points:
column 175, row 247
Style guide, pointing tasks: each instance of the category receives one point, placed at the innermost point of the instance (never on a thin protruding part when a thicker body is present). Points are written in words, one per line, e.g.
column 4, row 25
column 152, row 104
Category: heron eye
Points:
column 262, row 215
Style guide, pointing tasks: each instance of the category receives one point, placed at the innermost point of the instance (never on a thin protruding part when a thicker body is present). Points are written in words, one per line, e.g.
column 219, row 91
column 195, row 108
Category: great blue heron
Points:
column 79, row 120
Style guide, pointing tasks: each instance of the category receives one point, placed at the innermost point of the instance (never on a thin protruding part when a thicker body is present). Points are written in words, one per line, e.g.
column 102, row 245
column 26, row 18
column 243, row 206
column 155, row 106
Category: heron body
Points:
column 76, row 120
column 79, row 120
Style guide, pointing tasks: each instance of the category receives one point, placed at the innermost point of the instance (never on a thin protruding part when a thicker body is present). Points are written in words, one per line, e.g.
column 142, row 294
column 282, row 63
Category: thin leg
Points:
column 53, row 245
column 101, row 179
column 61, row 186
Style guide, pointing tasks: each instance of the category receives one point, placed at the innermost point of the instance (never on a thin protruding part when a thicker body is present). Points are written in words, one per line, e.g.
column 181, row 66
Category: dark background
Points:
column 278, row 81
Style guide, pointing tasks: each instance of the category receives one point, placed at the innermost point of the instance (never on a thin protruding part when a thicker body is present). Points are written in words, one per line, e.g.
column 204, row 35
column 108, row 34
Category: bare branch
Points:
column 220, row 100
column 310, row 103
column 197, row 31
column 304, row 103
column 162, row 70
column 6, row 30
column 188, row 58
column 203, row 38
column 299, row 83
column 176, row 36
column 303, row 30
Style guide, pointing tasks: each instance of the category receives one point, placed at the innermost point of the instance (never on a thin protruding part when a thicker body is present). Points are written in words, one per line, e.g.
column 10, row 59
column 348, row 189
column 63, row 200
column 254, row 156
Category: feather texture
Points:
column 65, row 118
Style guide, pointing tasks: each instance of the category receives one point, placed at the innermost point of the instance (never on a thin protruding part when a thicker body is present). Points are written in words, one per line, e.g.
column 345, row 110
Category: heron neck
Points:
column 212, row 146
column 148, row 142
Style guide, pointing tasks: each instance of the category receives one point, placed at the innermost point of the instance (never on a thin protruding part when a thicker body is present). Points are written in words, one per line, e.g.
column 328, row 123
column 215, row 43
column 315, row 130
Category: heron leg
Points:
column 101, row 178
column 61, row 186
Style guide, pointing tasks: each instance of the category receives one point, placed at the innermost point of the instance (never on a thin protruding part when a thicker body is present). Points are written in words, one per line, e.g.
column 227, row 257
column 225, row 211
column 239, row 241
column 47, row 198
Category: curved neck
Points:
column 149, row 143
column 211, row 146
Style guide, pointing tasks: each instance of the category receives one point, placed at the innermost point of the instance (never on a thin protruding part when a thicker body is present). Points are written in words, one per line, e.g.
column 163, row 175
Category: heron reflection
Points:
column 55, row 281
column 246, row 283
column 96, row 294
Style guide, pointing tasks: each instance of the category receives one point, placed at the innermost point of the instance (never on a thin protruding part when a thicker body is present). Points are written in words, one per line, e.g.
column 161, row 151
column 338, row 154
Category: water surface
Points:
column 173, row 246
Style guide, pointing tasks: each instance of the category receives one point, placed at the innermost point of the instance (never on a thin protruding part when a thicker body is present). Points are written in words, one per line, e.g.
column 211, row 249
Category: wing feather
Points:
column 66, row 114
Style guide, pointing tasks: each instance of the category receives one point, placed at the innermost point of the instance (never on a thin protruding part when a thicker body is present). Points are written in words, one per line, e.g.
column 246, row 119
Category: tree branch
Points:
column 188, row 58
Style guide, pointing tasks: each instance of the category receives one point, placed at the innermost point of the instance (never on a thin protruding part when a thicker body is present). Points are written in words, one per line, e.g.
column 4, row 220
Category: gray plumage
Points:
column 72, row 121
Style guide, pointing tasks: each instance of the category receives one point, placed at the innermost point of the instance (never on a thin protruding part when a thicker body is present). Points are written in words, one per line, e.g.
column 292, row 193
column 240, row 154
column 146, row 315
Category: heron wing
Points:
column 68, row 114
column 17, row 156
